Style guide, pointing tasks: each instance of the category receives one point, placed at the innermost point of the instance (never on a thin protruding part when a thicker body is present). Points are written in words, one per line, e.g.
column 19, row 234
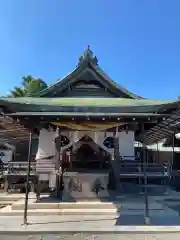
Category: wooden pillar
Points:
column 58, row 189
column 6, row 183
column 27, row 179
column 157, row 153
column 172, row 161
column 14, row 153
column 147, row 219
column 168, row 168
column 115, row 162
column 172, row 158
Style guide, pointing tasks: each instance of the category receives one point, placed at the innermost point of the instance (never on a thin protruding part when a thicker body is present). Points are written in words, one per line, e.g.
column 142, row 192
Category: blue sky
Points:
column 137, row 42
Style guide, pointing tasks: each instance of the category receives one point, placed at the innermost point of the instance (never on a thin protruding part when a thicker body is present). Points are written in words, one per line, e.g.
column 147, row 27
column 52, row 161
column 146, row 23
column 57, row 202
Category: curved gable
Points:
column 94, row 81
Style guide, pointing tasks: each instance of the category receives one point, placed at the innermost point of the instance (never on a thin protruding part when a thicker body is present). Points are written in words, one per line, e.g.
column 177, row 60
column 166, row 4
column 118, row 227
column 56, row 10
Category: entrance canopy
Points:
column 164, row 129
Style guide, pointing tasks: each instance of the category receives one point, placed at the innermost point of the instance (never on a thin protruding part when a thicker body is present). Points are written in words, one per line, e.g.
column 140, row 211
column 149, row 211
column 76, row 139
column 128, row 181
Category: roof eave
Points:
column 100, row 72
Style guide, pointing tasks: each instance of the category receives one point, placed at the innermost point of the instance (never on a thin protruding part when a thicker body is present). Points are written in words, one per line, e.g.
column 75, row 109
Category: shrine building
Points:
column 96, row 120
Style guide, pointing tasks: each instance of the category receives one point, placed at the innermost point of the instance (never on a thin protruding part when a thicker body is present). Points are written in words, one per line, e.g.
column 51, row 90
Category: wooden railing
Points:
column 136, row 166
column 17, row 168
column 14, row 173
column 126, row 167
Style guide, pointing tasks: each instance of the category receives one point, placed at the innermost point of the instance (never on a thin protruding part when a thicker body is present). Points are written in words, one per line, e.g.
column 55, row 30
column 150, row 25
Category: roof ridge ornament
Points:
column 88, row 56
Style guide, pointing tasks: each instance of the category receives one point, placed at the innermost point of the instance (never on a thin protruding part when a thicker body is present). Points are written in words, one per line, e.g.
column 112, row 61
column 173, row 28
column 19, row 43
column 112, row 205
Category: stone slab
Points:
column 90, row 236
column 57, row 212
column 78, row 205
column 71, row 224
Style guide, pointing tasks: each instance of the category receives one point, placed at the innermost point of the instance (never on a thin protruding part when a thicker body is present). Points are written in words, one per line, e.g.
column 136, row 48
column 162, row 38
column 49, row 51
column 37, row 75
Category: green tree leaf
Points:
column 30, row 87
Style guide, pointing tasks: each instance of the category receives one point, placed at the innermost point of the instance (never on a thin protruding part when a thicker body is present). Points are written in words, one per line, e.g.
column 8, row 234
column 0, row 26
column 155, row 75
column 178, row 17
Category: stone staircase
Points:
column 7, row 199
column 59, row 208
column 123, row 206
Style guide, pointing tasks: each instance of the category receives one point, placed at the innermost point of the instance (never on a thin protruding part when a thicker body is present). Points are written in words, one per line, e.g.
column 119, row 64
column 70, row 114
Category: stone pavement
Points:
column 114, row 223
column 91, row 236
column 127, row 224
column 105, row 227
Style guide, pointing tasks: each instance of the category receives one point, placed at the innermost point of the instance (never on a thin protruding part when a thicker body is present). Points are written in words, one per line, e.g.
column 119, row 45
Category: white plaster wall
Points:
column 126, row 145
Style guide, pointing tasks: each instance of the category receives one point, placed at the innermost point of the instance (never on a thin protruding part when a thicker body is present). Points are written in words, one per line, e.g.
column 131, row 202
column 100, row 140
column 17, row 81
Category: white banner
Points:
column 6, row 155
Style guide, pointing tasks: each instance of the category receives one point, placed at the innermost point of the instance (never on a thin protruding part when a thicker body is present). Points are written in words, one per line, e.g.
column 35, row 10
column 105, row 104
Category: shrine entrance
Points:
column 87, row 155
column 87, row 176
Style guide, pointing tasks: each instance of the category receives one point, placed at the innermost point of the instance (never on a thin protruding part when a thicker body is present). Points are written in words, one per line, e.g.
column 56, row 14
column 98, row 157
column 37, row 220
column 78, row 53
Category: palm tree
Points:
column 17, row 92
column 30, row 87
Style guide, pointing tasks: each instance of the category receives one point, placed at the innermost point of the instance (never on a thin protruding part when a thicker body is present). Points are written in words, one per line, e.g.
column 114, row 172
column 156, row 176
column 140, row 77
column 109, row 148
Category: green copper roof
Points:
column 85, row 102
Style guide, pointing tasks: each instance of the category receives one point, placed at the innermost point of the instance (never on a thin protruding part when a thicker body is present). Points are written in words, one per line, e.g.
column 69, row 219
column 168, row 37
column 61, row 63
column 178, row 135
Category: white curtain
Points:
column 98, row 138
column 46, row 145
column 74, row 137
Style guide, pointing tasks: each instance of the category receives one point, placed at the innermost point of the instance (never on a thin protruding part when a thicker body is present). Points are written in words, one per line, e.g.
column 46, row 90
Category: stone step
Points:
column 6, row 199
column 19, row 205
column 5, row 202
column 7, row 211
column 11, row 197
